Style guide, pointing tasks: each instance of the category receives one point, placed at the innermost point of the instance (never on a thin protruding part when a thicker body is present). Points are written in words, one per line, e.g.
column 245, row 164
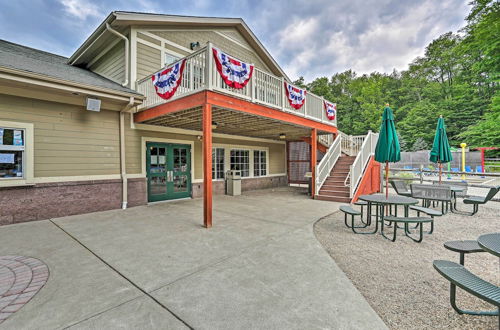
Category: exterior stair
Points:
column 334, row 189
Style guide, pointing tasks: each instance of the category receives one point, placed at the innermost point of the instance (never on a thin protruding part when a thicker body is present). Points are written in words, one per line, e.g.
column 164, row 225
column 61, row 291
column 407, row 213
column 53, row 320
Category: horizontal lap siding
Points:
column 112, row 65
column 184, row 38
column 148, row 60
column 69, row 140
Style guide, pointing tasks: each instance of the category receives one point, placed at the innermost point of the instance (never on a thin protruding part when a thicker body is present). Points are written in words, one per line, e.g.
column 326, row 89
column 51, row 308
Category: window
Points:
column 240, row 161
column 217, row 163
column 169, row 58
column 259, row 163
column 12, row 157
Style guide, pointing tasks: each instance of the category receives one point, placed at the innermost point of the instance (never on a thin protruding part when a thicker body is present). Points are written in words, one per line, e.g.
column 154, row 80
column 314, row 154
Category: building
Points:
column 57, row 157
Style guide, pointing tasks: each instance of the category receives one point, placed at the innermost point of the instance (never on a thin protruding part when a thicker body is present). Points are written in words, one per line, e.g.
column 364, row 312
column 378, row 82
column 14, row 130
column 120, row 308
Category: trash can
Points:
column 233, row 183
column 308, row 177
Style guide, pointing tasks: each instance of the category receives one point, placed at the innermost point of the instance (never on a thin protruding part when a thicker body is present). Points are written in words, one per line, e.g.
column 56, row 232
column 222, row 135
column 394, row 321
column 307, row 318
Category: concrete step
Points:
column 334, row 193
column 333, row 199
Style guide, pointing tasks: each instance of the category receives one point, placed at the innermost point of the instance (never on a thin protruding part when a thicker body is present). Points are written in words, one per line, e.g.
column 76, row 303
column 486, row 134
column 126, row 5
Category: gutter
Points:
column 123, row 169
column 116, row 33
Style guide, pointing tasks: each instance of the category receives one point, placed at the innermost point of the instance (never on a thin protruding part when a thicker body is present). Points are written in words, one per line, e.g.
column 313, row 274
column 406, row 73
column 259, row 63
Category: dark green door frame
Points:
column 168, row 168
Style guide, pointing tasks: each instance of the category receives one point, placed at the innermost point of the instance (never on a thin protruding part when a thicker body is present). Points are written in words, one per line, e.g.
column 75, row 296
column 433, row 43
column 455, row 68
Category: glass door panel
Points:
column 168, row 171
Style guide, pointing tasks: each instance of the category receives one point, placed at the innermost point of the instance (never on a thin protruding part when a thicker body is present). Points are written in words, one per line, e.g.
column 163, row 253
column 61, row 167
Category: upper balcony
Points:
column 264, row 88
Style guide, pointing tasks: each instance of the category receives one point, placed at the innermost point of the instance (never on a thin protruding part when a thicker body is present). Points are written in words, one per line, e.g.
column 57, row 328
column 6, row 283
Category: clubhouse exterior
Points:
column 89, row 133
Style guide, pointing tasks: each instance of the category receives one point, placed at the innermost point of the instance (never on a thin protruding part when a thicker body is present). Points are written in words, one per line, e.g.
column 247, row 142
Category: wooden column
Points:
column 314, row 153
column 207, row 165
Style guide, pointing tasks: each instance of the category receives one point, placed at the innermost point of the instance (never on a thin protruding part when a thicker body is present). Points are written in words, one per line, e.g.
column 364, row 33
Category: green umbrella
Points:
column 441, row 151
column 387, row 149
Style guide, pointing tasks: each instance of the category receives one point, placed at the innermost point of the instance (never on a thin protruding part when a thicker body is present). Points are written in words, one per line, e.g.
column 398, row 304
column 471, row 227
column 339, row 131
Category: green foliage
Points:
column 458, row 77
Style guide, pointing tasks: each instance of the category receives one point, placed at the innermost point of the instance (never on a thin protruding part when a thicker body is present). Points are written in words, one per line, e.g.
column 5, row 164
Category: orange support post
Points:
column 314, row 153
column 207, row 165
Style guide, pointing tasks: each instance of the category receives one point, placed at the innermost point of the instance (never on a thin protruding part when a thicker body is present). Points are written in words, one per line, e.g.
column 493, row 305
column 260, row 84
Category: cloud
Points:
column 310, row 39
column 81, row 9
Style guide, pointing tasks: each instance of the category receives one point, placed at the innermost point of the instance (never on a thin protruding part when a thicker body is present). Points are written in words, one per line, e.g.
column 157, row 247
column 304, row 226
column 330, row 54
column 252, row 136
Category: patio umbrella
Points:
column 387, row 149
column 441, row 151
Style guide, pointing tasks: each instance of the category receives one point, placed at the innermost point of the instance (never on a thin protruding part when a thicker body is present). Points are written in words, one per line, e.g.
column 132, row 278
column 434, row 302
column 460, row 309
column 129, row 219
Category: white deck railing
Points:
column 264, row 88
column 358, row 167
column 351, row 144
column 326, row 164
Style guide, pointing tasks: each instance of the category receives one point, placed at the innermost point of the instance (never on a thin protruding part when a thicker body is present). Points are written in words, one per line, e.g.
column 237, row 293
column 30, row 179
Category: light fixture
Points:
column 199, row 137
column 282, row 136
column 214, row 125
column 194, row 45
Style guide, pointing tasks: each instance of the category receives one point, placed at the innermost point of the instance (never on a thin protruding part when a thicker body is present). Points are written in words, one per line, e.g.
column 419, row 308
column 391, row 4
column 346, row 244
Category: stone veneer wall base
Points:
column 58, row 199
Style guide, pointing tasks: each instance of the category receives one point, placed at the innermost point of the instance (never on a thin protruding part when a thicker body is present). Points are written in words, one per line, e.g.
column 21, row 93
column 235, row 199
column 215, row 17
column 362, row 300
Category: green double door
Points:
column 168, row 169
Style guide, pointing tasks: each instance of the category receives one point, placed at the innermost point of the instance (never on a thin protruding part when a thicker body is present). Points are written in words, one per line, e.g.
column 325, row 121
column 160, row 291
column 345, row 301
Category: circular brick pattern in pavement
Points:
column 20, row 279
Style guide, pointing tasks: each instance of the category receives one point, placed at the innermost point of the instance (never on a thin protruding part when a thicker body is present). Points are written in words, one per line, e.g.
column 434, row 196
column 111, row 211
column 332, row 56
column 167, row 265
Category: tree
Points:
column 419, row 144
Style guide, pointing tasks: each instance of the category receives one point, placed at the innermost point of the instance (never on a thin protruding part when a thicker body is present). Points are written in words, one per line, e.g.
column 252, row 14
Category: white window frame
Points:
column 28, row 159
column 255, row 167
column 214, row 161
column 250, row 161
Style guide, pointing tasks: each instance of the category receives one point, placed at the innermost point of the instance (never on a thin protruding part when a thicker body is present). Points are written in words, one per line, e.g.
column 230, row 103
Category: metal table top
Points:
column 392, row 199
column 490, row 243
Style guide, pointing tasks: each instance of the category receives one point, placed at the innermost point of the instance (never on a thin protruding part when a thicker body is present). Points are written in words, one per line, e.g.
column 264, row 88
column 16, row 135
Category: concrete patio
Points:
column 155, row 266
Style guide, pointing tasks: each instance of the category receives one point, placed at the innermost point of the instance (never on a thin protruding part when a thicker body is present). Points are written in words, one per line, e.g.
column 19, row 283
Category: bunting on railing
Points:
column 235, row 73
column 296, row 96
column 331, row 110
column 167, row 81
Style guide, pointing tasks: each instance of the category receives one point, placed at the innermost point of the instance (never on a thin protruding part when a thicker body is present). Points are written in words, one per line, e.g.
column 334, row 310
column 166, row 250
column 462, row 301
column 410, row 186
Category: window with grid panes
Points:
column 240, row 161
column 259, row 163
column 217, row 163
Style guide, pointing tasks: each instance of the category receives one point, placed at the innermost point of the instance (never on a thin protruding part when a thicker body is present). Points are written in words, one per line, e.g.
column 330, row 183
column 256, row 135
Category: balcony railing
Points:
column 264, row 88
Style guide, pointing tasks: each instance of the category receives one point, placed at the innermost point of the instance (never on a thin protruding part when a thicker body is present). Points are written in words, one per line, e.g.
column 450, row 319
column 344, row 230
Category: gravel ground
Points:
column 398, row 279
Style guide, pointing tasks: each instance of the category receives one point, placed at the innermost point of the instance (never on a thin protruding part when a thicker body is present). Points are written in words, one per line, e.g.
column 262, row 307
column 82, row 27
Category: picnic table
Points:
column 380, row 200
column 490, row 243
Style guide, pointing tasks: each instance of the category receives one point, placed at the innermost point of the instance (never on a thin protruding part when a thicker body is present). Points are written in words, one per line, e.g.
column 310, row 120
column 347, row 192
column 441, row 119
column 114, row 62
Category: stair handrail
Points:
column 357, row 168
column 327, row 162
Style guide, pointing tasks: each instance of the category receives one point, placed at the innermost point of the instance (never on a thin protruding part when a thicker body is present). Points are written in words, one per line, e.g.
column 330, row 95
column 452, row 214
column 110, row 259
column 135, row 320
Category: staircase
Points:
column 339, row 173
column 336, row 187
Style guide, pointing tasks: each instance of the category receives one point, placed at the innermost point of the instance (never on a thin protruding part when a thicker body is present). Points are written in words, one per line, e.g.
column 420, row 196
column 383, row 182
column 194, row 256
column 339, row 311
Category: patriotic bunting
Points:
column 296, row 96
column 235, row 73
column 167, row 81
column 331, row 110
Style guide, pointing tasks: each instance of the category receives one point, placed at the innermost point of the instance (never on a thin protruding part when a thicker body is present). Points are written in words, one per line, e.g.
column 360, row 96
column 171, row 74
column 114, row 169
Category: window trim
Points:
column 250, row 160
column 28, row 161
column 266, row 164
column 214, row 148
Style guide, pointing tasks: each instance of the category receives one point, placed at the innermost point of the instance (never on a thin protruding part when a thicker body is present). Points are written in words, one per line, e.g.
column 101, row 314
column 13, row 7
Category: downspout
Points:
column 108, row 27
column 123, row 169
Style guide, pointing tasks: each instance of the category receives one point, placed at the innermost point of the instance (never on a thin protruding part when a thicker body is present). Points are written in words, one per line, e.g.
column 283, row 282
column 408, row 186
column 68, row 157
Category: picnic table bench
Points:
column 461, row 277
column 418, row 221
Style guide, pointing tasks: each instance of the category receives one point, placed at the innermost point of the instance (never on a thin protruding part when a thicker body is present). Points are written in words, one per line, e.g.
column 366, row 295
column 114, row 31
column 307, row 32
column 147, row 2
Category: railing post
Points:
column 252, row 85
column 283, row 96
column 208, row 66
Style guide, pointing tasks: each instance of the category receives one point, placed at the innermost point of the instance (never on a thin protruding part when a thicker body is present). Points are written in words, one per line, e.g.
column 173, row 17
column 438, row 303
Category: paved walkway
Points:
column 259, row 267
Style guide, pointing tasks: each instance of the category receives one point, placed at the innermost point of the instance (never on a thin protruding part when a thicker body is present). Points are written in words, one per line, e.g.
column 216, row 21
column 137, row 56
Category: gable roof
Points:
column 122, row 19
column 30, row 60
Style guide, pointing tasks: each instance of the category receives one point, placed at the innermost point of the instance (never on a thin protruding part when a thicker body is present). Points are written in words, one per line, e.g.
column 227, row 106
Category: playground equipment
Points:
column 463, row 145
column 483, row 149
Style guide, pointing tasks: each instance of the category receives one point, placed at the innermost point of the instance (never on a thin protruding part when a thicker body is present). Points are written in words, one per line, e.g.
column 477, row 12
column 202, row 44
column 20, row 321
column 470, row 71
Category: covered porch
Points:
column 208, row 111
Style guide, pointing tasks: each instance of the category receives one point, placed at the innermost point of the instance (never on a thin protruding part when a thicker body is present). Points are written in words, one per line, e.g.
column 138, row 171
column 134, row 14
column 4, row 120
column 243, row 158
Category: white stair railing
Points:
column 358, row 167
column 326, row 164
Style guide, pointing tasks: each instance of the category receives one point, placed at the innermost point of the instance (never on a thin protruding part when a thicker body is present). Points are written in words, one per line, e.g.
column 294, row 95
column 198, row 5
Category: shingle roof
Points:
column 32, row 60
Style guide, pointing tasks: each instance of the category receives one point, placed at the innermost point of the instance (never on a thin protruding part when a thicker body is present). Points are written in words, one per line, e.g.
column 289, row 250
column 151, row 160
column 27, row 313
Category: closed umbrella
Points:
column 387, row 149
column 441, row 151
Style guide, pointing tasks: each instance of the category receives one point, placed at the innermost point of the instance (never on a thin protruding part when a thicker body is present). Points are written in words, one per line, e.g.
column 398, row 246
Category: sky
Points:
column 310, row 38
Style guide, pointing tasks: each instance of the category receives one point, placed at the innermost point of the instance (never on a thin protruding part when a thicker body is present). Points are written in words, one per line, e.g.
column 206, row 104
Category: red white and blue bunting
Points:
column 167, row 81
column 296, row 96
column 330, row 109
column 235, row 73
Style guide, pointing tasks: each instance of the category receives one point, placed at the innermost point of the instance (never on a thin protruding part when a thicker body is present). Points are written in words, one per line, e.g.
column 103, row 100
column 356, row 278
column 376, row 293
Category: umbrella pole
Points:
column 387, row 186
